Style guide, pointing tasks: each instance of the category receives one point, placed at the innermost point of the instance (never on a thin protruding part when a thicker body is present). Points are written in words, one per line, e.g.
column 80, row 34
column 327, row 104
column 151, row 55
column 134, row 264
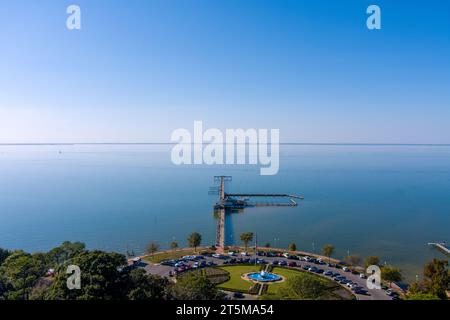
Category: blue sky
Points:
column 140, row 69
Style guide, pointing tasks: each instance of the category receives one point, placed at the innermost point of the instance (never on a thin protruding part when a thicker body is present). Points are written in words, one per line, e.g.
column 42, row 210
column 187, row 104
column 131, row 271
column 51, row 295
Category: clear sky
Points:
column 137, row 70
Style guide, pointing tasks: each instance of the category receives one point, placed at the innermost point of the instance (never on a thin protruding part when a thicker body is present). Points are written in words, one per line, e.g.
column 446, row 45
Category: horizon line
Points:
column 224, row 143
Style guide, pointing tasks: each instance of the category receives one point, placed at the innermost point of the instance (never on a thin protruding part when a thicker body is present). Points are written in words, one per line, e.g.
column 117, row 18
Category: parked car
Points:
column 286, row 255
column 362, row 291
column 292, row 264
column 275, row 262
column 238, row 295
column 306, row 267
column 243, row 253
column 331, row 265
column 319, row 271
column 282, row 263
column 346, row 269
column 306, row 258
column 362, row 276
column 328, row 273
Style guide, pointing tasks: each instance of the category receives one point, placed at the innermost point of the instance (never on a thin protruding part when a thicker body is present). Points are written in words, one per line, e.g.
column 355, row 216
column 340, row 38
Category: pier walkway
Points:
column 441, row 246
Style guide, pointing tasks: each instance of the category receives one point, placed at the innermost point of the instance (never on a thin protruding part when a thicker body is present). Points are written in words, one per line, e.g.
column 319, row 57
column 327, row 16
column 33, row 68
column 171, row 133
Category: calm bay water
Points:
column 369, row 200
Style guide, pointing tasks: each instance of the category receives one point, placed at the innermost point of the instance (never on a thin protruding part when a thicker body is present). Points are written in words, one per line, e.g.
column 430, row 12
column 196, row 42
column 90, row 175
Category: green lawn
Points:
column 289, row 273
column 236, row 283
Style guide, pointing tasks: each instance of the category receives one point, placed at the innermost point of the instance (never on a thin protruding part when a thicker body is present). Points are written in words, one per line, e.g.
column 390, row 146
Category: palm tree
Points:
column 152, row 247
column 194, row 240
column 246, row 237
column 328, row 251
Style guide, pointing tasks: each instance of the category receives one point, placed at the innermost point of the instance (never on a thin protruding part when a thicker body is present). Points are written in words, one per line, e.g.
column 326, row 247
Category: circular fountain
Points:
column 264, row 276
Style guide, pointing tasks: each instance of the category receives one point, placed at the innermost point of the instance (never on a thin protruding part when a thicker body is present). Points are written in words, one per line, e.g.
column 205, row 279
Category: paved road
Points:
column 375, row 294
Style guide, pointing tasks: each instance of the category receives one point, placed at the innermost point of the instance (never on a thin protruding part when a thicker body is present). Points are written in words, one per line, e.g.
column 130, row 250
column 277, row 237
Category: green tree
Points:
column 422, row 296
column 66, row 251
column 292, row 247
column 304, row 287
column 151, row 248
column 267, row 245
column 194, row 240
column 391, row 274
column 19, row 273
column 328, row 251
column 146, row 287
column 246, row 237
column 193, row 286
column 437, row 278
column 103, row 277
column 4, row 254
column 173, row 245
column 371, row 261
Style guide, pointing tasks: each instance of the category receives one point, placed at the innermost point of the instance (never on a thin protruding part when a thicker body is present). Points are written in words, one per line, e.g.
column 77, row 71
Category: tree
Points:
column 194, row 240
column 103, row 277
column 19, row 273
column 422, row 296
column 352, row 260
column 328, row 251
column 151, row 248
column 146, row 287
column 292, row 247
column 267, row 245
column 193, row 286
column 371, row 261
column 4, row 253
column 173, row 245
column 246, row 237
column 66, row 251
column 391, row 274
column 305, row 287
column 437, row 278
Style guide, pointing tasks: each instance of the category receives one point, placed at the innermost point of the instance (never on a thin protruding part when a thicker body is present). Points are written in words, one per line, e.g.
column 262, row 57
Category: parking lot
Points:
column 340, row 274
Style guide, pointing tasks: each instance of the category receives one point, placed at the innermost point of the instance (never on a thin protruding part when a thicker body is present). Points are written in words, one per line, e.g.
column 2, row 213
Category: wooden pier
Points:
column 441, row 246
column 232, row 201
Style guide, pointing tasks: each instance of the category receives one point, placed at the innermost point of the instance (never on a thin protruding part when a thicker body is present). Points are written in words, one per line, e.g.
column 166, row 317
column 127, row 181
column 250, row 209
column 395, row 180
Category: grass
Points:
column 290, row 273
column 236, row 283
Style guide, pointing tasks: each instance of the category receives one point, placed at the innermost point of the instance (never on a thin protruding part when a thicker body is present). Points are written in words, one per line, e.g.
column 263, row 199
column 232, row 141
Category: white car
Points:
column 345, row 269
column 231, row 253
column 362, row 276
column 216, row 255
column 244, row 253
column 286, row 255
column 306, row 258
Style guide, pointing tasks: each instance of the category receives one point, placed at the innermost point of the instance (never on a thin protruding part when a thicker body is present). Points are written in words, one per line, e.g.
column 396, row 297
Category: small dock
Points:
column 441, row 246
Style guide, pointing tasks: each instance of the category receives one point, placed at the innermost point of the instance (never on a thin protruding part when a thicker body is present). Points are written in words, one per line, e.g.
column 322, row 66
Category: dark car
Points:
column 319, row 271
column 238, row 295
column 275, row 262
column 363, row 292
column 232, row 260
column 331, row 265
column 292, row 264
column 282, row 263
column 306, row 267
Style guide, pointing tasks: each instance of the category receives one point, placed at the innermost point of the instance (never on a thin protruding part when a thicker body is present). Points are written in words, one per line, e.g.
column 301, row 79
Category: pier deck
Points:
column 441, row 246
